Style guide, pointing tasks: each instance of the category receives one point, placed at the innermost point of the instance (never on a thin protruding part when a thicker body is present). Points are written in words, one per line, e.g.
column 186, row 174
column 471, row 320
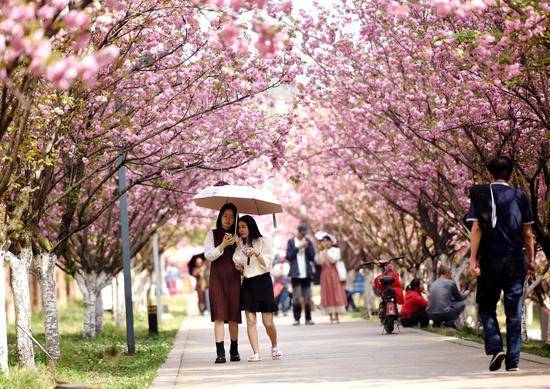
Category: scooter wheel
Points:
column 389, row 325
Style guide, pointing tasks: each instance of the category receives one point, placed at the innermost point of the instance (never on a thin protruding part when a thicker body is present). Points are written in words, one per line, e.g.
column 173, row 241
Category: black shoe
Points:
column 512, row 368
column 496, row 361
column 220, row 350
column 234, row 352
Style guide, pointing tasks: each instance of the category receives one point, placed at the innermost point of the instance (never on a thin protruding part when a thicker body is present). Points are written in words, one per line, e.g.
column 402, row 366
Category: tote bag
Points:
column 342, row 272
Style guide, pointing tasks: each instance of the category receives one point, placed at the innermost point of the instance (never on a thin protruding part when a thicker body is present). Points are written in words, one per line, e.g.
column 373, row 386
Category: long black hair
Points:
column 225, row 208
column 253, row 230
column 329, row 239
column 415, row 284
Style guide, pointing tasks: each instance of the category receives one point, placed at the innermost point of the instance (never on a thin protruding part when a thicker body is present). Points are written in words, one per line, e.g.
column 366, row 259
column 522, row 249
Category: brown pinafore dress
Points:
column 225, row 285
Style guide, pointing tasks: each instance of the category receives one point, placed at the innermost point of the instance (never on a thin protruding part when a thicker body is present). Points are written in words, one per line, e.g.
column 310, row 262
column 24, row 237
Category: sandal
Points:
column 254, row 358
column 276, row 353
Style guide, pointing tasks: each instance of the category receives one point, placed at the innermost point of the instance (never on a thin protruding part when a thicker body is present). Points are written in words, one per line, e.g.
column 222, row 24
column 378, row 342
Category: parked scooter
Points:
column 384, row 287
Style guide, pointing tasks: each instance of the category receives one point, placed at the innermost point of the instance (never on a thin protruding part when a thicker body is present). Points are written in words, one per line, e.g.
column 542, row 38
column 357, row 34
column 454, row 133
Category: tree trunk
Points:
column 544, row 324
column 43, row 268
column 369, row 293
column 20, row 270
column 99, row 314
column 526, row 317
column 470, row 316
column 3, row 329
column 89, row 314
column 90, row 284
column 140, row 284
column 118, row 301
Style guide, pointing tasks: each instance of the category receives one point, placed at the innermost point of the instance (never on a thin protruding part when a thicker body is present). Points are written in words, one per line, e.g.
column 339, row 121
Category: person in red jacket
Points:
column 413, row 312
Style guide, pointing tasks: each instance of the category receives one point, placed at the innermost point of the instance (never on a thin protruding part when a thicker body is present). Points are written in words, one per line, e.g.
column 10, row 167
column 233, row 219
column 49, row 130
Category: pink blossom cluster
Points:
column 257, row 16
column 50, row 39
column 461, row 8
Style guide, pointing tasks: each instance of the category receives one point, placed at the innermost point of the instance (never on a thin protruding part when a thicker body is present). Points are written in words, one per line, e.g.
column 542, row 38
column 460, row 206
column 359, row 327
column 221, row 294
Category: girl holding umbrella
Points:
column 225, row 281
column 219, row 247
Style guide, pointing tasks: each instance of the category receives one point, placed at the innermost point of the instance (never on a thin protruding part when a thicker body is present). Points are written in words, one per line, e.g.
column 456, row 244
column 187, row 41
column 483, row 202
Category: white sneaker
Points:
column 276, row 353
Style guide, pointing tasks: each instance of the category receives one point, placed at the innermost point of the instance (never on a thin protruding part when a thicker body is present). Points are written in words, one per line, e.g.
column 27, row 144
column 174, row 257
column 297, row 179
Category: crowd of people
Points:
column 292, row 289
column 246, row 275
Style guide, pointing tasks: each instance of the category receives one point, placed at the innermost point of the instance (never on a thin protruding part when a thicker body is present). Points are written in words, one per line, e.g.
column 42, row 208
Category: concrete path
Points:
column 352, row 354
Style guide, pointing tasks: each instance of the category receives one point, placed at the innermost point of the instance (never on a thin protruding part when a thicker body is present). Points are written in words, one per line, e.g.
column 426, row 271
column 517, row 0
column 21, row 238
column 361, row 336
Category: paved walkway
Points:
column 353, row 354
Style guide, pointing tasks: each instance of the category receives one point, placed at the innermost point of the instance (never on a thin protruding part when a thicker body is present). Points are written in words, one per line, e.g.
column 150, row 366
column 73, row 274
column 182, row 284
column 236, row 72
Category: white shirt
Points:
column 211, row 252
column 332, row 255
column 301, row 257
column 255, row 268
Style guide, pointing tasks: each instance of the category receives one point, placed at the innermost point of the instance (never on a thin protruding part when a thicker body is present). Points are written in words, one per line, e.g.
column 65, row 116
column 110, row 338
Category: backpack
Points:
column 480, row 197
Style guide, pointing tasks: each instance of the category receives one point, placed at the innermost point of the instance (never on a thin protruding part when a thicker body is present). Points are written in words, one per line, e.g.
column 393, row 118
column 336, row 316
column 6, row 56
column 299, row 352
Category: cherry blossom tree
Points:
column 414, row 98
column 55, row 104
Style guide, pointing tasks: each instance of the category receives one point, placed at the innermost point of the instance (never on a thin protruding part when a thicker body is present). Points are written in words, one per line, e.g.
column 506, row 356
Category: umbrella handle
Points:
column 274, row 221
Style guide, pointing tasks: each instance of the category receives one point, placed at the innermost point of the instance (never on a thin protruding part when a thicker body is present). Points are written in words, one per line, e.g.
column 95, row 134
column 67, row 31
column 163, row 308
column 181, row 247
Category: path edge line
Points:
column 167, row 374
column 468, row 343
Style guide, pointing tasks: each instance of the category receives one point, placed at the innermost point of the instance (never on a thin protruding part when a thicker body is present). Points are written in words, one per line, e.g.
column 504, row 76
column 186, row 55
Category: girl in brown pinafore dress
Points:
column 225, row 281
column 225, row 285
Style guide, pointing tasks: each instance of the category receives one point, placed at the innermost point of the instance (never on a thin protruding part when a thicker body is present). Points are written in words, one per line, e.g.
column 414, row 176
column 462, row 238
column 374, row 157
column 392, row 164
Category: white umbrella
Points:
column 247, row 199
column 319, row 235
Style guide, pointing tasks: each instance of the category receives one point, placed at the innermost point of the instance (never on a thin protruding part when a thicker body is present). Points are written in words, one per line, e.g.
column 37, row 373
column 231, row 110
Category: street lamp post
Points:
column 126, row 257
column 124, row 228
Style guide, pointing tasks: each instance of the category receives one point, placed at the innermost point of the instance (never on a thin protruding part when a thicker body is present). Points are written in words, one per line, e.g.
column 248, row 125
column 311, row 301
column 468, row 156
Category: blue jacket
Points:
column 292, row 258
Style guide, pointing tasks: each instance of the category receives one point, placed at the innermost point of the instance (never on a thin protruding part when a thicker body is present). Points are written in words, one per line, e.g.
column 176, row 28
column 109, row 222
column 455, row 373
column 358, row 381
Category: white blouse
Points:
column 332, row 255
column 211, row 252
column 263, row 245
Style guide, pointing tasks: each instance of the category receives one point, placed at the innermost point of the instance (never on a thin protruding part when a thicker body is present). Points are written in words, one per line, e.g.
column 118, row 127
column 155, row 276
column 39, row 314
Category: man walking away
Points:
column 445, row 302
column 301, row 256
column 500, row 232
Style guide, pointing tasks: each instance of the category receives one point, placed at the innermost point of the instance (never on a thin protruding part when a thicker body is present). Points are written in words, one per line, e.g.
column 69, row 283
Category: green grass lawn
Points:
column 100, row 362
column 535, row 347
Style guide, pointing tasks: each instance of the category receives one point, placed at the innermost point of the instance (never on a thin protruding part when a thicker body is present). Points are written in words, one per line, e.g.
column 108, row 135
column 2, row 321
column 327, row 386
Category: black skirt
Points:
column 257, row 294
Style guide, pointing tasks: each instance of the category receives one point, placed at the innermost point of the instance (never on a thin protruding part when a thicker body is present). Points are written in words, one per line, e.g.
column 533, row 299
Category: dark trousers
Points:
column 418, row 317
column 506, row 274
column 283, row 300
column 351, row 304
column 450, row 316
column 301, row 287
